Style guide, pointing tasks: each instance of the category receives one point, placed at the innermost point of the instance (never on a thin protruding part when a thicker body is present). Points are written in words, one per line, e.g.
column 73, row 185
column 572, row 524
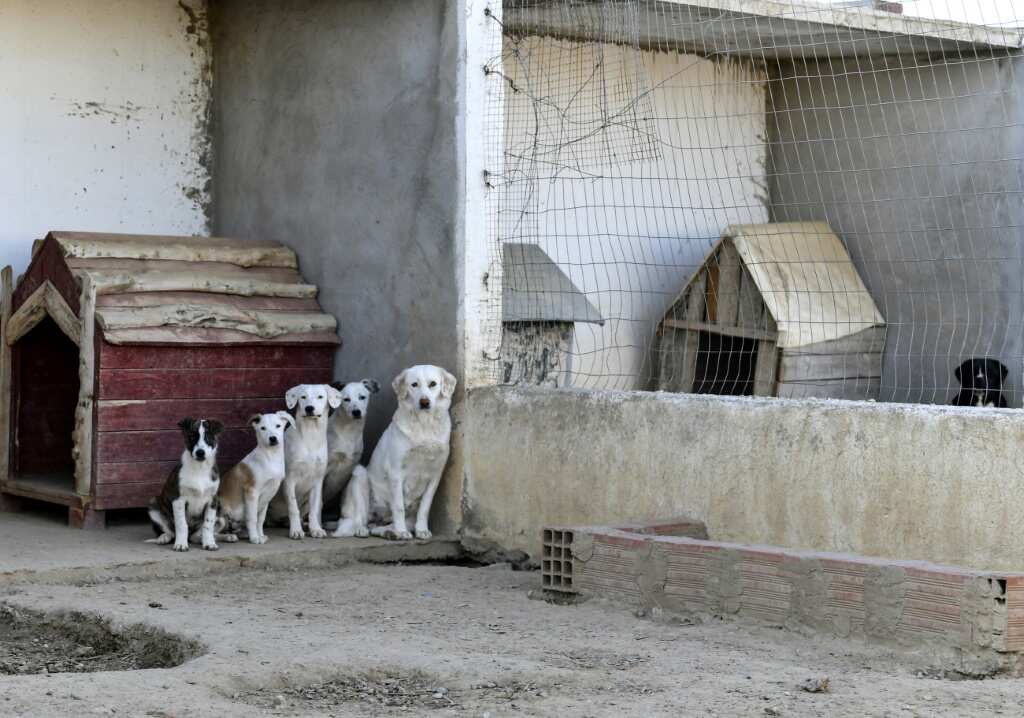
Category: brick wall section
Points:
column 972, row 622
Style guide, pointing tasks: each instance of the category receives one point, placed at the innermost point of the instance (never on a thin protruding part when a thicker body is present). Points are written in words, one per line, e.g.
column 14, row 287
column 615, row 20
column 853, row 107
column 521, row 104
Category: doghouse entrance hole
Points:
column 725, row 365
column 45, row 363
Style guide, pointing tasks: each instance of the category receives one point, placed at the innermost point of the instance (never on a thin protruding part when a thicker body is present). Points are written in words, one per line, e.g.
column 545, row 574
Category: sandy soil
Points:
column 444, row 640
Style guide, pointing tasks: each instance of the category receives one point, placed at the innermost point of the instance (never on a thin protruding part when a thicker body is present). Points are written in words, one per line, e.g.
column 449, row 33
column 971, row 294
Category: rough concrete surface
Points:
column 933, row 484
column 446, row 640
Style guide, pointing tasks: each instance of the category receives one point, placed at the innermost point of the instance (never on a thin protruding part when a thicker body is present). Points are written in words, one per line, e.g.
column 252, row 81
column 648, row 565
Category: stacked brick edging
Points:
column 972, row 620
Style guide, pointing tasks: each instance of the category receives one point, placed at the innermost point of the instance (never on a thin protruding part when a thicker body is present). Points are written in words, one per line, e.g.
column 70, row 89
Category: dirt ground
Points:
column 438, row 640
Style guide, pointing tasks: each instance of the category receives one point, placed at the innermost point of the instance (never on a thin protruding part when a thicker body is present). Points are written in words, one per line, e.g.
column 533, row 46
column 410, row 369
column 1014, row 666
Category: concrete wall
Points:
column 628, row 211
column 104, row 121
column 886, row 480
column 336, row 134
column 917, row 165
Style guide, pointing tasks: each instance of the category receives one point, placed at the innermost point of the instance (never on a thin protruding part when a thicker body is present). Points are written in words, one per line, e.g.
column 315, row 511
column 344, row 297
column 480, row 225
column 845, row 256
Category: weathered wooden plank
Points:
column 83, row 438
column 751, row 312
column 157, row 299
column 109, row 474
column 47, row 264
column 813, row 367
column 6, row 277
column 205, row 383
column 40, row 493
column 115, row 282
column 245, row 253
column 861, row 388
column 220, row 269
column 711, row 293
column 220, row 337
column 263, row 324
column 869, row 341
column 764, row 368
column 697, row 299
column 727, row 289
column 679, row 360
column 141, row 415
column 44, row 301
column 721, row 329
column 113, row 356
column 127, row 495
column 121, row 446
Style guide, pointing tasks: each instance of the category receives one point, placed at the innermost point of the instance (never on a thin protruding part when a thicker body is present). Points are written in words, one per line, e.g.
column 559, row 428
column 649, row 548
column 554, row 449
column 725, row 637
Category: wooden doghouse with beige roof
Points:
column 773, row 310
column 109, row 340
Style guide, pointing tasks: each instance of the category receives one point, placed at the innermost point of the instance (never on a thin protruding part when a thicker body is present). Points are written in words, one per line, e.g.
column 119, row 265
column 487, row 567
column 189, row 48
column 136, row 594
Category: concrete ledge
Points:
column 927, row 483
column 973, row 621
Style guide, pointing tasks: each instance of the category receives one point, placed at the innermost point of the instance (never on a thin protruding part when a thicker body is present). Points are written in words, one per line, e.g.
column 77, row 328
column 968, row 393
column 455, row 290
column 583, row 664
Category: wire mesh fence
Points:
column 770, row 198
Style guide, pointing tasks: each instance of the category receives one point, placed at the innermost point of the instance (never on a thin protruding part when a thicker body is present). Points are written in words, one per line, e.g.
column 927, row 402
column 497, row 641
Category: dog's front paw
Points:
column 423, row 534
column 258, row 539
column 181, row 547
column 398, row 535
column 318, row 533
column 229, row 538
column 298, row 534
column 210, row 547
column 362, row 532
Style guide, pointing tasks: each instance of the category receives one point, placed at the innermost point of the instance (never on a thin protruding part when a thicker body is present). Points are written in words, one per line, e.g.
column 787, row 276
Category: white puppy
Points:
column 246, row 490
column 305, row 457
column 345, row 436
column 407, row 464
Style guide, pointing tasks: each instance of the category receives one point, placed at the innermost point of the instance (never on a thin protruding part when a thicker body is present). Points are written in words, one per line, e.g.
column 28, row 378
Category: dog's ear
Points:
column 398, row 385
column 291, row 397
column 1003, row 371
column 254, row 419
column 288, row 419
column 372, row 385
column 448, row 384
column 339, row 385
column 213, row 427
column 333, row 397
column 186, row 424
column 956, row 373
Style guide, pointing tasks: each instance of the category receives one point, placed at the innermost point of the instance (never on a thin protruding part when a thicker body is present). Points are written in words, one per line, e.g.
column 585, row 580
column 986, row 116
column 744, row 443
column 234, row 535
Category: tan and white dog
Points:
column 407, row 464
column 246, row 490
column 345, row 436
column 305, row 458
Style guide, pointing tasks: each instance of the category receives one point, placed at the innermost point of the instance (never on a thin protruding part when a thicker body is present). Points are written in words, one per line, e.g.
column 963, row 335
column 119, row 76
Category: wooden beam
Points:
column 243, row 253
column 758, row 334
column 107, row 282
column 263, row 324
column 5, row 373
column 82, row 450
column 45, row 301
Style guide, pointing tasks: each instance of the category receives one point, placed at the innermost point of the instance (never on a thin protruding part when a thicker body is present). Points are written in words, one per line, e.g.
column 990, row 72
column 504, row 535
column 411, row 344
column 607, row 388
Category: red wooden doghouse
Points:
column 109, row 340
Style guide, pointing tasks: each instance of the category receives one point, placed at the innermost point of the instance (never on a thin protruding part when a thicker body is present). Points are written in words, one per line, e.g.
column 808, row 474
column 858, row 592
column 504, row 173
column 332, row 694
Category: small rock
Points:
column 772, row 711
column 440, row 692
column 279, row 700
column 155, row 604
column 815, row 685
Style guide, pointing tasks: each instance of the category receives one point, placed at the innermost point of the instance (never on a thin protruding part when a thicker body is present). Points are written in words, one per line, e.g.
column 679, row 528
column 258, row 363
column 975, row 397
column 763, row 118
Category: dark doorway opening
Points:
column 725, row 365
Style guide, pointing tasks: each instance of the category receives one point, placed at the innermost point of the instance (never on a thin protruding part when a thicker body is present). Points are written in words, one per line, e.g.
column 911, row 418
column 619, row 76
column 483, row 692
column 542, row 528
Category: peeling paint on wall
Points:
column 108, row 129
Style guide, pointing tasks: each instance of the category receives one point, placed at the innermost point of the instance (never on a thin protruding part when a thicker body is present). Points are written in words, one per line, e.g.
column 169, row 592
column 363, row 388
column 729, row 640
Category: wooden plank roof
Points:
column 153, row 289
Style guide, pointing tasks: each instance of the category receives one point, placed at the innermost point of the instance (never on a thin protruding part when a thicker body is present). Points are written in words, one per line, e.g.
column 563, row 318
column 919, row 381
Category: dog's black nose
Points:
column 309, row 411
column 356, row 413
column 273, row 441
column 424, row 402
column 200, row 454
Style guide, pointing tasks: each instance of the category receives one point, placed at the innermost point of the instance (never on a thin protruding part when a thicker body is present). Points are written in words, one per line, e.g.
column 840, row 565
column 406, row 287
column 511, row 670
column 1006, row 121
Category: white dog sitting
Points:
column 246, row 490
column 407, row 464
column 305, row 458
column 345, row 436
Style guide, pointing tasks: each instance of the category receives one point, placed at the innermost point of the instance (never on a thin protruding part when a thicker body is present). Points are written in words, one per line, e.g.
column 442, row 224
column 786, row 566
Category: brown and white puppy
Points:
column 187, row 506
column 246, row 490
column 345, row 436
column 407, row 464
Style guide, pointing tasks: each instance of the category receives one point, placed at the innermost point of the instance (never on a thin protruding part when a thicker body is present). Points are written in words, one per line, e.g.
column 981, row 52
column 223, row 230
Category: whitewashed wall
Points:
column 630, row 233
column 103, row 121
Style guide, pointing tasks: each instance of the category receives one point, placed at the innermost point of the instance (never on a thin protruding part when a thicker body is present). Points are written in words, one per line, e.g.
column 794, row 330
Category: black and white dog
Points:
column 187, row 506
column 981, row 383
